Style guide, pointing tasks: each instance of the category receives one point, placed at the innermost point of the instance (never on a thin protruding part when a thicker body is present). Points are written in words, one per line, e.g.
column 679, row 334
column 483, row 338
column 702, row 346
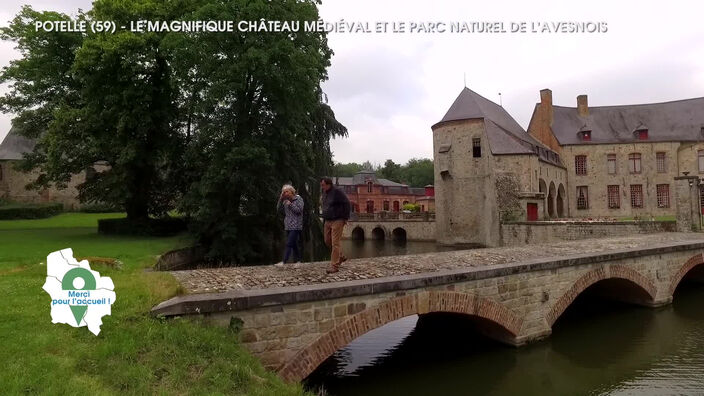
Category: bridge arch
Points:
column 379, row 233
column 358, row 233
column 493, row 315
column 641, row 289
column 689, row 265
column 399, row 234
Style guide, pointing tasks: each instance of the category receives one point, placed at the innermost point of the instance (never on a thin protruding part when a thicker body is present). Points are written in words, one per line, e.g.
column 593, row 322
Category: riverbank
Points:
column 134, row 353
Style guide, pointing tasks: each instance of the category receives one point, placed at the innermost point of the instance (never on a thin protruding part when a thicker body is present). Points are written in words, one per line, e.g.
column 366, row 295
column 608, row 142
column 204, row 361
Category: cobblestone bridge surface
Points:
column 263, row 277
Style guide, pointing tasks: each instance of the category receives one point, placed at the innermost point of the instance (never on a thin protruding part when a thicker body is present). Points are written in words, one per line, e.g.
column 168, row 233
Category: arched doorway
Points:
column 561, row 201
column 543, row 188
column 551, row 200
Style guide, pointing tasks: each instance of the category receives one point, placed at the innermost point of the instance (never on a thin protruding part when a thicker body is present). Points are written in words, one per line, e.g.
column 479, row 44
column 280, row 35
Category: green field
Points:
column 134, row 353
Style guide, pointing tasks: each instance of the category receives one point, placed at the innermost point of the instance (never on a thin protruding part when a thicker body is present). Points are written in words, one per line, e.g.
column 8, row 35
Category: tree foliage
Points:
column 417, row 172
column 106, row 98
column 210, row 123
column 255, row 120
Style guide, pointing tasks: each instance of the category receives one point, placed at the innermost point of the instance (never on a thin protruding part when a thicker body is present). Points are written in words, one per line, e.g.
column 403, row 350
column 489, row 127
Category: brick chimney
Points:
column 540, row 126
column 546, row 105
column 582, row 106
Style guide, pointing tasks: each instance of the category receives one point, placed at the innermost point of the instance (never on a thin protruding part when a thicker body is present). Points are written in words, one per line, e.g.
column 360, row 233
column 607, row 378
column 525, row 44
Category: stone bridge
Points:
column 293, row 319
column 397, row 230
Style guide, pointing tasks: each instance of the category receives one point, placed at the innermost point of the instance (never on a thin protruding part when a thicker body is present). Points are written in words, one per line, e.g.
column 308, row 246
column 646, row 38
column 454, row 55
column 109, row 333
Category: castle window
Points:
column 663, row 193
column 611, row 163
column 700, row 160
column 643, row 134
column 613, row 197
column 386, row 206
column 369, row 187
column 636, row 195
column 580, row 164
column 634, row 162
column 476, row 148
column 660, row 161
column 582, row 197
column 587, row 136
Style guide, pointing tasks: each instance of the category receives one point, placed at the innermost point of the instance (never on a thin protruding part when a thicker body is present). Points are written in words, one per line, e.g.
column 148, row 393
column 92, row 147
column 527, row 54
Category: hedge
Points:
column 30, row 211
column 153, row 227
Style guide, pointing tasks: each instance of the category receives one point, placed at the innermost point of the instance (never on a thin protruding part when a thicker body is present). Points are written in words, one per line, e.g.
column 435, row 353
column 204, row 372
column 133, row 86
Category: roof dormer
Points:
column 585, row 133
column 641, row 132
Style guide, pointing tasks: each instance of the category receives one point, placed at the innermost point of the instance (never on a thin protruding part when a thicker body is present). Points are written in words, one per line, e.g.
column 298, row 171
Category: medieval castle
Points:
column 579, row 162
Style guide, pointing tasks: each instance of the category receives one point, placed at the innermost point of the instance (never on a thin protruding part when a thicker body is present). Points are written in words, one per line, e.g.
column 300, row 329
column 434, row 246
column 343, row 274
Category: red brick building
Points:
column 369, row 194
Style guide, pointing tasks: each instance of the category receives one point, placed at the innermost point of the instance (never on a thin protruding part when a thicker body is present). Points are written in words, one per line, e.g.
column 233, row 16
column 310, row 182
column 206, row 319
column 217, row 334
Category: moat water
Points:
column 378, row 248
column 598, row 347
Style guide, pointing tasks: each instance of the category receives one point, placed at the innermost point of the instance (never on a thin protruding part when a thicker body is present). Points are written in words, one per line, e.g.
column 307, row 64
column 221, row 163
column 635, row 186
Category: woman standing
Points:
column 292, row 205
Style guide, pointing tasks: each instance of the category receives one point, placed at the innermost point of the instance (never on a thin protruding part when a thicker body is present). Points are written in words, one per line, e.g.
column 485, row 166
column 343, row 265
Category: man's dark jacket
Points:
column 336, row 206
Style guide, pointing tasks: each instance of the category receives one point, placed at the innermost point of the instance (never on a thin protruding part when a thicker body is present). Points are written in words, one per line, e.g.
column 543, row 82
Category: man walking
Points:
column 336, row 212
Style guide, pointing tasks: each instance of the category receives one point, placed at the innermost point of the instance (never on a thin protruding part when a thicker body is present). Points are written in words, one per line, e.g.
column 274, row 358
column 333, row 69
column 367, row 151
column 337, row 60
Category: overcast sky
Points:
column 388, row 89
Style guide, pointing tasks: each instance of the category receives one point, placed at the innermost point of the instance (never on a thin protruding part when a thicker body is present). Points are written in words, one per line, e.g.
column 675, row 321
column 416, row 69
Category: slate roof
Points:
column 393, row 187
column 362, row 178
column 14, row 145
column 680, row 120
column 505, row 135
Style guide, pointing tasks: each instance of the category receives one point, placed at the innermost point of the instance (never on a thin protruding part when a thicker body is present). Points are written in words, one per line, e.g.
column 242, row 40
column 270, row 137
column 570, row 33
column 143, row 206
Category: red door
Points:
column 532, row 212
column 395, row 206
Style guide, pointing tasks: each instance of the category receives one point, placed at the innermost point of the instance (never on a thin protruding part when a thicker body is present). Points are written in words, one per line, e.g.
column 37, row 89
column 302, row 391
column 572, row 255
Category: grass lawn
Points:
column 134, row 353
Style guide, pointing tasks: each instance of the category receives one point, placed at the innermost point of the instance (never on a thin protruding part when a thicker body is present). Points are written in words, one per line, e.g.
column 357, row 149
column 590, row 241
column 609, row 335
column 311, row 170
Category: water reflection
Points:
column 377, row 248
column 598, row 347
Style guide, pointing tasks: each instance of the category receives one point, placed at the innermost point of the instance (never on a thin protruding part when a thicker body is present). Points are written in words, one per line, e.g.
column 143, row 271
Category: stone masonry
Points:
column 294, row 319
column 413, row 230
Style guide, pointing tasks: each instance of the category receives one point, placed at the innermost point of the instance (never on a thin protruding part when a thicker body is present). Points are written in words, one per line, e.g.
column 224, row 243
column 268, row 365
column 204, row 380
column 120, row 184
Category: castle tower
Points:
column 476, row 146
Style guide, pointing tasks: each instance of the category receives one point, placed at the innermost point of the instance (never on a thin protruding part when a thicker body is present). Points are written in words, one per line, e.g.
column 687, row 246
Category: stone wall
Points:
column 415, row 230
column 465, row 201
column 523, row 233
column 678, row 158
column 13, row 182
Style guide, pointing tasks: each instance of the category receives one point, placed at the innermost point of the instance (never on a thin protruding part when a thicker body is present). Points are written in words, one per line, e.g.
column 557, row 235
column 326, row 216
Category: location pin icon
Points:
column 88, row 284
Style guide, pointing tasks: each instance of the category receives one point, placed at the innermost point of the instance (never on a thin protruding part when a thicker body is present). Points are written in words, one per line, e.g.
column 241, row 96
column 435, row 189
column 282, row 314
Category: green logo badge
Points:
column 78, row 279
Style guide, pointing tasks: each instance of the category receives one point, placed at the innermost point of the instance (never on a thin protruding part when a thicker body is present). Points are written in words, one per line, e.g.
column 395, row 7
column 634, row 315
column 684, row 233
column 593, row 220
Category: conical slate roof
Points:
column 505, row 135
column 14, row 145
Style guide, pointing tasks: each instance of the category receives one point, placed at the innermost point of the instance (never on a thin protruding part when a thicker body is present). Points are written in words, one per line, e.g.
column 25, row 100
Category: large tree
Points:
column 256, row 119
column 105, row 97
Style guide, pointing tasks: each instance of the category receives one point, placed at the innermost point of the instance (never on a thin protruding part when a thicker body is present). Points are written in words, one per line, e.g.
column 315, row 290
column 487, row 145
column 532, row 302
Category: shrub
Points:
column 100, row 208
column 29, row 211
column 411, row 207
column 153, row 227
